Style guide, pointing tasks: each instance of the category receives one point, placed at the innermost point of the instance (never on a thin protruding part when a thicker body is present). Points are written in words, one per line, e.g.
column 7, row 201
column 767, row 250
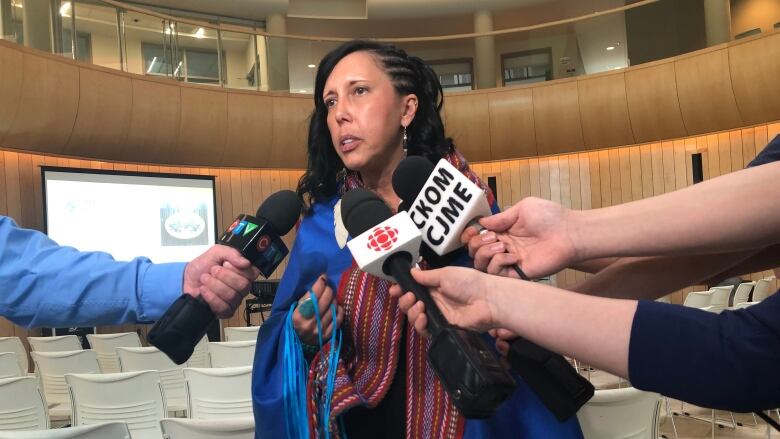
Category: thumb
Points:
column 222, row 253
column 428, row 278
column 500, row 221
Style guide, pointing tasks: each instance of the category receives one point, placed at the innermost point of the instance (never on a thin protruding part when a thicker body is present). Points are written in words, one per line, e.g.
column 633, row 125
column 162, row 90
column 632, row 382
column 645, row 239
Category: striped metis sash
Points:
column 371, row 342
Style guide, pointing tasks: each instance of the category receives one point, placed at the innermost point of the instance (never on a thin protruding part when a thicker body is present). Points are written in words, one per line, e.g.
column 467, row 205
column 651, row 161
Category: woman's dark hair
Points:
column 409, row 74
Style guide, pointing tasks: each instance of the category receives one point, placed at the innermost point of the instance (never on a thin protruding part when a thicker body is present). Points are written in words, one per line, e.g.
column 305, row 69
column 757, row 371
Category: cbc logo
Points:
column 263, row 243
column 382, row 238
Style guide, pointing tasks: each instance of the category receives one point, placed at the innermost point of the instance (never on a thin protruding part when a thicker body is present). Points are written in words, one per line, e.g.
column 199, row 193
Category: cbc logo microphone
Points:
column 382, row 238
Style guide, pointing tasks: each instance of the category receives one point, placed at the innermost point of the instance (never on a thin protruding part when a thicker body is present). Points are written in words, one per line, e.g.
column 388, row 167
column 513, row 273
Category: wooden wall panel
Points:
column 715, row 89
column 755, row 69
column 604, row 111
column 250, row 129
column 203, row 126
column 468, row 123
column 287, row 145
column 651, row 93
column 154, row 128
column 11, row 73
column 511, row 124
column 703, row 87
column 103, row 119
column 557, row 118
column 48, row 104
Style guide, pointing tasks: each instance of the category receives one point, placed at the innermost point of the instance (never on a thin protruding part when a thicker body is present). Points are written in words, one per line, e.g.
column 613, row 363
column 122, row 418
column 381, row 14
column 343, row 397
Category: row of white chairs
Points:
column 171, row 428
column 138, row 398
column 716, row 299
column 224, row 353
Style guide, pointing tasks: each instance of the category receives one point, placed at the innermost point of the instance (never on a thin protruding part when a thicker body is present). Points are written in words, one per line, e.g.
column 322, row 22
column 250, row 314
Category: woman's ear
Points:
column 409, row 109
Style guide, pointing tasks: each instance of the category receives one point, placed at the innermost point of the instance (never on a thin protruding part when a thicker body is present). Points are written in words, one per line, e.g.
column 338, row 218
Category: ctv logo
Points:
column 241, row 225
column 382, row 238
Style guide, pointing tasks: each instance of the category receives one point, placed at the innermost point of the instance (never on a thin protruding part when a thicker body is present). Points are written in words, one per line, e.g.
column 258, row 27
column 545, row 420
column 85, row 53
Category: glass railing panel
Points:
column 239, row 51
column 11, row 20
column 97, row 34
column 147, row 41
column 199, row 60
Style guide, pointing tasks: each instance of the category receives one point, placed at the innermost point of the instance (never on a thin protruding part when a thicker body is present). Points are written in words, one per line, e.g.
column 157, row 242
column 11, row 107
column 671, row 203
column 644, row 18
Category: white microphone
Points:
column 444, row 207
column 445, row 202
column 372, row 247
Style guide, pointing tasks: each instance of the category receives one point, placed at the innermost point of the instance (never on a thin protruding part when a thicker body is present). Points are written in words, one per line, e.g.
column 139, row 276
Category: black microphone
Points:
column 550, row 376
column 258, row 239
column 385, row 245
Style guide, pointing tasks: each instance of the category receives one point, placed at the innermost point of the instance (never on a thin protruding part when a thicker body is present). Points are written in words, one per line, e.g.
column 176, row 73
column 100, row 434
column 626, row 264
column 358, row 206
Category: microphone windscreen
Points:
column 281, row 210
column 410, row 177
column 361, row 209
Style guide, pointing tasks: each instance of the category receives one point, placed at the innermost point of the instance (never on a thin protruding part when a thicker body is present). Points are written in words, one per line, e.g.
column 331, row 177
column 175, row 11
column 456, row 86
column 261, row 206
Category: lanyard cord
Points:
column 296, row 375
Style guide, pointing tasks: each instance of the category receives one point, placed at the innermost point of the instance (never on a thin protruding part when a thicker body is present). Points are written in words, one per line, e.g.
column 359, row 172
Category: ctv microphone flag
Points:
column 256, row 241
column 446, row 204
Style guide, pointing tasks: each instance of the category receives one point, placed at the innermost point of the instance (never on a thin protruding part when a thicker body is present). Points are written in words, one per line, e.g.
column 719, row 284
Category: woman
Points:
column 373, row 105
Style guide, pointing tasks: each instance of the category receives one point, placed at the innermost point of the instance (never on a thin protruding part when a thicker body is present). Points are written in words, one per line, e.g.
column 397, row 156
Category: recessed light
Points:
column 200, row 33
column 311, row 66
column 611, row 48
column 65, row 9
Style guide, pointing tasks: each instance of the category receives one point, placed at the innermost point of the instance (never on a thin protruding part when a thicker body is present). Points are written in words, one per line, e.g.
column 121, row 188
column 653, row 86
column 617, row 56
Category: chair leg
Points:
column 670, row 415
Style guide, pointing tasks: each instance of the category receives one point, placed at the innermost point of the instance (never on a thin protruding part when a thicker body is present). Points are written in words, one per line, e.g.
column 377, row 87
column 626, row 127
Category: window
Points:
column 454, row 74
column 195, row 65
column 527, row 67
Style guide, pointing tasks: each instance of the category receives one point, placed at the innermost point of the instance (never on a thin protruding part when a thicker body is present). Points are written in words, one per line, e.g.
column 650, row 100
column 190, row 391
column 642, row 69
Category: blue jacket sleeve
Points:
column 730, row 359
column 45, row 284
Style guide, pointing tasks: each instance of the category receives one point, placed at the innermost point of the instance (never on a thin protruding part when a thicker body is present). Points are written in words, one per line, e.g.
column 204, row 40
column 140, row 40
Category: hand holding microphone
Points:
column 387, row 246
column 258, row 240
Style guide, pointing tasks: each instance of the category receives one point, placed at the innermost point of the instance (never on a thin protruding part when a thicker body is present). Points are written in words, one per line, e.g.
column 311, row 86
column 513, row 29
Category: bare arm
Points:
column 654, row 277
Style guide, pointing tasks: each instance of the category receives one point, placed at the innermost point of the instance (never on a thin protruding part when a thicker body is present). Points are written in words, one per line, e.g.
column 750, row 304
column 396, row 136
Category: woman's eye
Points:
column 360, row 91
column 329, row 103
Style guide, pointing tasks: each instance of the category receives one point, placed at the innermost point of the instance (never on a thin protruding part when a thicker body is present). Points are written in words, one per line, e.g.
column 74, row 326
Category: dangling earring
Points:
column 403, row 144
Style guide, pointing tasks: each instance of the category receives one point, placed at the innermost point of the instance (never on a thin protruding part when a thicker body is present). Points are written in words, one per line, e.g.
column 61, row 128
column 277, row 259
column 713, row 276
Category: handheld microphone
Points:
column 445, row 202
column 258, row 239
column 442, row 202
column 386, row 246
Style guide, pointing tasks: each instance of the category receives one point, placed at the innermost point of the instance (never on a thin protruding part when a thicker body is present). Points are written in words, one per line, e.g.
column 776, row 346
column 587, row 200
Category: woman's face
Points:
column 365, row 114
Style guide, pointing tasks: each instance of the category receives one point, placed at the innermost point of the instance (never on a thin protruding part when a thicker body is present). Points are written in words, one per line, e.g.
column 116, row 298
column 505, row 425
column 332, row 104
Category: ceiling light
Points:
column 301, row 91
column 65, row 9
column 311, row 66
column 17, row 5
column 200, row 33
column 611, row 48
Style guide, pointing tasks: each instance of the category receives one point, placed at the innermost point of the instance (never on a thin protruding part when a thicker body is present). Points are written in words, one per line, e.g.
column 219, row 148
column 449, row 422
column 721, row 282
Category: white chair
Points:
column 132, row 397
column 219, row 393
column 698, row 299
column 241, row 333
column 235, row 428
column 51, row 367
column 9, row 365
column 762, row 290
column 22, row 406
column 14, row 344
column 108, row 430
column 105, row 346
column 743, row 293
column 59, row 343
column 171, row 376
column 232, row 353
column 719, row 300
column 200, row 355
column 620, row 413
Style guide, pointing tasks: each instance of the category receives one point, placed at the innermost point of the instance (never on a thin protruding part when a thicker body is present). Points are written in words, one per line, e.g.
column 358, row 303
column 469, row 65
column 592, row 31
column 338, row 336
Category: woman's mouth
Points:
column 348, row 143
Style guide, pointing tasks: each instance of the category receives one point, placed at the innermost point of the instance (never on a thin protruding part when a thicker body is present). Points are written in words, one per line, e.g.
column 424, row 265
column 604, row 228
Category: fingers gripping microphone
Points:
column 442, row 202
column 258, row 239
column 387, row 246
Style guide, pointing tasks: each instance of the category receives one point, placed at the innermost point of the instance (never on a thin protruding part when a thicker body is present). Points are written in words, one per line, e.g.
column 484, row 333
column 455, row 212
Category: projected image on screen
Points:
column 183, row 224
column 164, row 218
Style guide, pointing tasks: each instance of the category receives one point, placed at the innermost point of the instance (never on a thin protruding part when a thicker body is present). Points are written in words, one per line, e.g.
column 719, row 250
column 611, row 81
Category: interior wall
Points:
column 751, row 14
